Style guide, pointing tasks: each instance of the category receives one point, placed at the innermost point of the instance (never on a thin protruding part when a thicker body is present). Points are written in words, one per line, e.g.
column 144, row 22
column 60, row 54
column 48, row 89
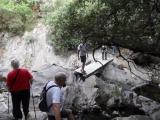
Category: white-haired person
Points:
column 18, row 83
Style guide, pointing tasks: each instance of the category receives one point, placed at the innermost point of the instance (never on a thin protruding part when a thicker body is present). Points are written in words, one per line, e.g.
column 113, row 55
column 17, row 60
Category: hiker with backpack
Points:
column 54, row 98
column 18, row 83
column 82, row 53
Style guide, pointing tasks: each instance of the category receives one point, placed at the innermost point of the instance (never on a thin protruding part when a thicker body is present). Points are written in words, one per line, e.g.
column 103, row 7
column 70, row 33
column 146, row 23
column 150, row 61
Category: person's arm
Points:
column 9, row 88
column 31, row 80
column 78, row 53
column 86, row 51
column 56, row 107
column 87, row 54
column 78, row 50
column 30, row 77
column 8, row 83
column 102, row 49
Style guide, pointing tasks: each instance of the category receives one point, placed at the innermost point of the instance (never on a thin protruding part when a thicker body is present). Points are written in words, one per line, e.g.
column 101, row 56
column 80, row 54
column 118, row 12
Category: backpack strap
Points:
column 15, row 78
column 51, row 87
column 48, row 89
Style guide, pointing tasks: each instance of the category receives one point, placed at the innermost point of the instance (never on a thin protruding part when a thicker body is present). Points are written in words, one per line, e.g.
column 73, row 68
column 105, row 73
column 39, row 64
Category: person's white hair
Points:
column 15, row 64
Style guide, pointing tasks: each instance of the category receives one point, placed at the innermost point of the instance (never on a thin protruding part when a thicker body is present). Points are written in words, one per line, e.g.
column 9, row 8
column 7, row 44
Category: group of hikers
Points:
column 19, row 83
column 83, row 54
column 104, row 50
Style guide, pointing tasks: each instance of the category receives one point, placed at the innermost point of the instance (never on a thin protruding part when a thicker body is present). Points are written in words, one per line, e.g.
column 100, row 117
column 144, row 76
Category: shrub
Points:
column 30, row 39
column 15, row 14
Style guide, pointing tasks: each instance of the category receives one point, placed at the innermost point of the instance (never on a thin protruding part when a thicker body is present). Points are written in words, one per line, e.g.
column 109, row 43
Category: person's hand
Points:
column 9, row 89
column 87, row 56
column 31, row 82
column 78, row 58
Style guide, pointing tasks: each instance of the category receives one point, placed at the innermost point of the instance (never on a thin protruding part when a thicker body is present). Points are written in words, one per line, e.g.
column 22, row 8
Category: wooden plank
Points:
column 92, row 68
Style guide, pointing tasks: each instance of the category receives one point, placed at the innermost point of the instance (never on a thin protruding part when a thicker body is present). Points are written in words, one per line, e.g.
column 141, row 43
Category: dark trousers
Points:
column 51, row 117
column 104, row 55
column 18, row 98
column 64, row 114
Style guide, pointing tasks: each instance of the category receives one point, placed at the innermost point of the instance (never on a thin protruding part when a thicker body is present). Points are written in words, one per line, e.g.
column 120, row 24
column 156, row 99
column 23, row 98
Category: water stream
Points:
column 124, row 111
column 151, row 91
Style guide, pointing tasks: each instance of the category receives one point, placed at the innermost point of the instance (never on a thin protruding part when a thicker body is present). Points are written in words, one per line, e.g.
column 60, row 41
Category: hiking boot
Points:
column 13, row 118
column 83, row 71
column 16, row 119
column 27, row 117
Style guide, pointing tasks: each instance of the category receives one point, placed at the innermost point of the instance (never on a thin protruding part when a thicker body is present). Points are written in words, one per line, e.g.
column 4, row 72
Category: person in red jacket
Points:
column 18, row 83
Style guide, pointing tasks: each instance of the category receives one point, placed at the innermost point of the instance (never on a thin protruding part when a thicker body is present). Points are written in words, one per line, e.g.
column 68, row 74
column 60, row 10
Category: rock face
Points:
column 32, row 50
column 28, row 49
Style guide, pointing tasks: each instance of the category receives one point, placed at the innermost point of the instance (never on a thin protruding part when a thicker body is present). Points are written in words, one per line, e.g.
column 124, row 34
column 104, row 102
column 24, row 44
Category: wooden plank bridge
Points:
column 92, row 68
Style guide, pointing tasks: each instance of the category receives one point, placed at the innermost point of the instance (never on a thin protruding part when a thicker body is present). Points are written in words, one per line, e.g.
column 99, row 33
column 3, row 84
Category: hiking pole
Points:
column 33, row 102
column 8, row 102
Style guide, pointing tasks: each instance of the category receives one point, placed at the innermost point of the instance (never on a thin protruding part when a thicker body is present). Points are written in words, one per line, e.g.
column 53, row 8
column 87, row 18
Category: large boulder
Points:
column 156, row 115
column 133, row 117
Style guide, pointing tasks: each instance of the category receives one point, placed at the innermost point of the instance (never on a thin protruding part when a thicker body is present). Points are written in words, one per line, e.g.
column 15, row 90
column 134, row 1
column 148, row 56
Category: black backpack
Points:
column 43, row 100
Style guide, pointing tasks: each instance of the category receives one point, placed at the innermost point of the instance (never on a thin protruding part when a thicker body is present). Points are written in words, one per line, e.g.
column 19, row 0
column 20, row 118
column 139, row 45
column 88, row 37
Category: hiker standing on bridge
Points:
column 104, row 52
column 82, row 53
column 18, row 83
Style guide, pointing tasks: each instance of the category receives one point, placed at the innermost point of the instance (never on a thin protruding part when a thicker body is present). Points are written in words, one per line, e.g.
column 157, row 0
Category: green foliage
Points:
column 15, row 14
column 125, row 23
column 30, row 39
column 118, row 90
column 66, row 23
column 3, row 90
